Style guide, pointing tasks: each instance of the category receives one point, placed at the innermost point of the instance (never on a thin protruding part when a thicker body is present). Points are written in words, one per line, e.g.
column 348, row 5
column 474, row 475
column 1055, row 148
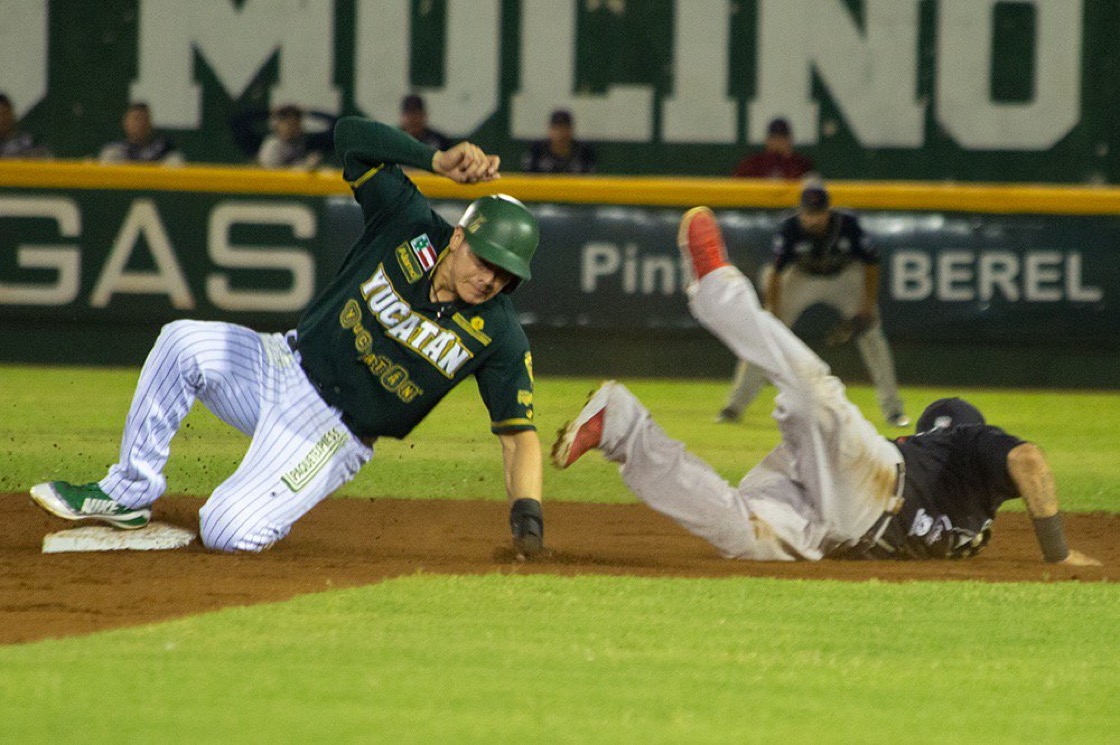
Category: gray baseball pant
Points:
column 842, row 293
column 824, row 485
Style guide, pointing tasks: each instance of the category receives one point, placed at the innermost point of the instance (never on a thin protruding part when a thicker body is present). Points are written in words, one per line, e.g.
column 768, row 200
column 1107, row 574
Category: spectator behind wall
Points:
column 778, row 159
column 14, row 143
column 561, row 152
column 414, row 121
column 251, row 128
column 289, row 146
column 140, row 143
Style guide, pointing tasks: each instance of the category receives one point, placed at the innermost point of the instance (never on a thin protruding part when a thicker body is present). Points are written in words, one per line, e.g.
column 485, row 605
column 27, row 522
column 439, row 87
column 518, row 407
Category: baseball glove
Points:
column 846, row 330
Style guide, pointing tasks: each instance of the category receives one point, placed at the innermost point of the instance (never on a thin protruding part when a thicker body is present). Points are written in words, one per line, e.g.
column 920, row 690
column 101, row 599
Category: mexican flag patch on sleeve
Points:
column 425, row 252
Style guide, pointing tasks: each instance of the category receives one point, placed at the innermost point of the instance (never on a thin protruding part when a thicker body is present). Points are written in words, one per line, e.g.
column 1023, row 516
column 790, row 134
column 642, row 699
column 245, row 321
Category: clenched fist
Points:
column 466, row 164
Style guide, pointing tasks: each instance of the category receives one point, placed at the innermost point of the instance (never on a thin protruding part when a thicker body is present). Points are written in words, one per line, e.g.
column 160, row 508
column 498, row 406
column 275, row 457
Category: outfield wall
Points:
column 964, row 90
column 981, row 284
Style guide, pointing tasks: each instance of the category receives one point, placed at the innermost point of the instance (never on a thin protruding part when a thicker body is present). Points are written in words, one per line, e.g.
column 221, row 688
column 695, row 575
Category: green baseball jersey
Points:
column 374, row 343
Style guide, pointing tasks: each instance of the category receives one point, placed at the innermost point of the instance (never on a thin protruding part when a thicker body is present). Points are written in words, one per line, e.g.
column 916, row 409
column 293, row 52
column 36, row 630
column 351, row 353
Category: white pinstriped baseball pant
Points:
column 300, row 450
column 829, row 479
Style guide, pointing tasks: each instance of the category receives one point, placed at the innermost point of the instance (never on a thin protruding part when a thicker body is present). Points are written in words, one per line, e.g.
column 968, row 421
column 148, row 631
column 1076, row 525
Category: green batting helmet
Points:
column 502, row 231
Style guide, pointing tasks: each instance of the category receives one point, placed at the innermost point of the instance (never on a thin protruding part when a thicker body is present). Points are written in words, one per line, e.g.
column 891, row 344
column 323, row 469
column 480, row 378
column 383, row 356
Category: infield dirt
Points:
column 351, row 542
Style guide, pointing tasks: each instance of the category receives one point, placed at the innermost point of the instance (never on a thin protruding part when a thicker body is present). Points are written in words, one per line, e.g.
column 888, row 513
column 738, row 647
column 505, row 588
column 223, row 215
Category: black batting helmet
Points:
column 948, row 412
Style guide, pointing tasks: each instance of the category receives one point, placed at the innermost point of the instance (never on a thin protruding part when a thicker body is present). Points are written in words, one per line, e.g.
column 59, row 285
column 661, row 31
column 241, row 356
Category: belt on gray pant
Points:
column 874, row 536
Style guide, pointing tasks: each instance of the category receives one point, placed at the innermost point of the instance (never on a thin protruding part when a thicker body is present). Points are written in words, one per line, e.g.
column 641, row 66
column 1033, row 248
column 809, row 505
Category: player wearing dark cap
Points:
column 289, row 145
column 833, row 487
column 560, row 152
column 414, row 121
column 13, row 142
column 822, row 256
column 140, row 144
column 958, row 471
column 948, row 412
column 778, row 159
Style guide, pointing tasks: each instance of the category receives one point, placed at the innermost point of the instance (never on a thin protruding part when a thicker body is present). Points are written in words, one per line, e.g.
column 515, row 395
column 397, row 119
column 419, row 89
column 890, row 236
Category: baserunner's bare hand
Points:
column 1078, row 559
column 466, row 163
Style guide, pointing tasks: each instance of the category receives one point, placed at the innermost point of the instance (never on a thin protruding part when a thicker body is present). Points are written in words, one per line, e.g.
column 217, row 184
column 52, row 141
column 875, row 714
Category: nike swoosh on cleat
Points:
column 98, row 507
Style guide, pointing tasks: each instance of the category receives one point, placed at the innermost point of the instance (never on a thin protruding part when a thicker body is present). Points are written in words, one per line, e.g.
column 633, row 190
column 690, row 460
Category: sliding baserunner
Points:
column 418, row 307
column 833, row 487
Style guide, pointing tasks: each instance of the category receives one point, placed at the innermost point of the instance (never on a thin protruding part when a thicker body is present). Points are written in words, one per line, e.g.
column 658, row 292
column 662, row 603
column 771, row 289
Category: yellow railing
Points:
column 643, row 191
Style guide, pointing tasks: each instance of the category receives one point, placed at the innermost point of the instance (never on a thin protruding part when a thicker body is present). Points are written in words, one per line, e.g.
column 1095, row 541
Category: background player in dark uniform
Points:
column 832, row 487
column 13, row 142
column 289, row 145
column 308, row 132
column 414, row 121
column 560, row 152
column 140, row 143
column 417, row 307
column 822, row 256
column 778, row 159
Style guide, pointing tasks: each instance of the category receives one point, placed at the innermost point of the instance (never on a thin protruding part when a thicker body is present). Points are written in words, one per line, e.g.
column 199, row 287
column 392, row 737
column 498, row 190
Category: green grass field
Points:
column 591, row 659
column 66, row 423
column 587, row 659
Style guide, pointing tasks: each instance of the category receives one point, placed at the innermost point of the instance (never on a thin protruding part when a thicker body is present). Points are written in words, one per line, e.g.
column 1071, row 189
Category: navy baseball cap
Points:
column 412, row 102
column 814, row 198
column 562, row 117
column 779, row 127
column 288, row 111
column 948, row 412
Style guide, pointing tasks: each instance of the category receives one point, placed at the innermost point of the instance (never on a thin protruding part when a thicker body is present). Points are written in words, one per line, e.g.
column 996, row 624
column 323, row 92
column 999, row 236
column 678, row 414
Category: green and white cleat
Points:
column 87, row 502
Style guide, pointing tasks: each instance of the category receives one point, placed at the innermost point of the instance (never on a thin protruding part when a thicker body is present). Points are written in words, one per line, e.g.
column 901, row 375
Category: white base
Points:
column 154, row 537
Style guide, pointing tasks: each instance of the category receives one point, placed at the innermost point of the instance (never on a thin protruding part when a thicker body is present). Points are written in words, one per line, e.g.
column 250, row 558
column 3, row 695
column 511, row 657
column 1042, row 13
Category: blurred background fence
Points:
column 981, row 284
column 976, row 139
column 975, row 90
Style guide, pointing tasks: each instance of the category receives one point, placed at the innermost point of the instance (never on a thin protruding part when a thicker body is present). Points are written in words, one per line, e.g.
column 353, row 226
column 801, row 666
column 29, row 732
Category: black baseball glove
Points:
column 848, row 329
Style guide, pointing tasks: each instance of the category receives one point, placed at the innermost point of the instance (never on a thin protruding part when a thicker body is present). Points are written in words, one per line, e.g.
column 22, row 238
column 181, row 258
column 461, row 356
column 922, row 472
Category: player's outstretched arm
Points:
column 1032, row 475
column 466, row 163
column 521, row 462
column 362, row 144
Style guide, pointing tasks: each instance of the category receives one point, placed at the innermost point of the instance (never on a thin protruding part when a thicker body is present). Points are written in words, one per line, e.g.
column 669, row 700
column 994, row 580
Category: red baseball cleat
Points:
column 585, row 431
column 701, row 242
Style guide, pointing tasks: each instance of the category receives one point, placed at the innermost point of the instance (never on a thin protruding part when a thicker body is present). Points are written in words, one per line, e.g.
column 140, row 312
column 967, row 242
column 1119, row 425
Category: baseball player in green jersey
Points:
column 417, row 307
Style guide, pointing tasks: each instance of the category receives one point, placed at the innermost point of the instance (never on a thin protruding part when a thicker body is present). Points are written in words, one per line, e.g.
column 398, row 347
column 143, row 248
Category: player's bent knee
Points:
column 253, row 541
column 232, row 537
column 816, row 394
column 175, row 331
column 176, row 338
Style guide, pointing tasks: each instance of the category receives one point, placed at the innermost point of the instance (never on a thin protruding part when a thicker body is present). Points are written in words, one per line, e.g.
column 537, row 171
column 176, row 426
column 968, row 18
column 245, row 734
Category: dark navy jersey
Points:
column 435, row 138
column 19, row 145
column 842, row 243
column 956, row 479
column 152, row 151
column 541, row 159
